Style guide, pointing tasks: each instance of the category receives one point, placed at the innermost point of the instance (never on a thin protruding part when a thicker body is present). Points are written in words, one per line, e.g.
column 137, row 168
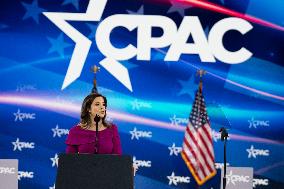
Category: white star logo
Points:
column 251, row 152
column 94, row 13
column 229, row 178
column 174, row 150
column 174, row 120
column 134, row 134
column 54, row 160
column 55, row 131
column 172, row 179
column 18, row 115
column 252, row 123
column 135, row 105
column 17, row 145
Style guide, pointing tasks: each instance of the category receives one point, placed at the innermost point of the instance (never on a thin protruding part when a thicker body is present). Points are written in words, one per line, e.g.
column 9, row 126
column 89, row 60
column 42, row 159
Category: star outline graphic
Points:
column 94, row 12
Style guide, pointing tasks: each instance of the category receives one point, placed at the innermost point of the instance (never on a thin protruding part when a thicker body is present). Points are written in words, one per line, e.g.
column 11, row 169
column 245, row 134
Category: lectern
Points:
column 94, row 171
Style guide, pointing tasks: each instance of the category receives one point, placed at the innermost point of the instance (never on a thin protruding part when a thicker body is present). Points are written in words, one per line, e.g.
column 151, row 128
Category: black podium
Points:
column 90, row 171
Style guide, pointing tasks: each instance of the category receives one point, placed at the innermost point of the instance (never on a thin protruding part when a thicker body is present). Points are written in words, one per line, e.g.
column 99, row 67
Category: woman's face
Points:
column 98, row 107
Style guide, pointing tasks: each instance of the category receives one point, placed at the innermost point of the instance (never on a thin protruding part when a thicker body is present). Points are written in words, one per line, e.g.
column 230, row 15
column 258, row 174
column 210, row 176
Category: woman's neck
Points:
column 93, row 124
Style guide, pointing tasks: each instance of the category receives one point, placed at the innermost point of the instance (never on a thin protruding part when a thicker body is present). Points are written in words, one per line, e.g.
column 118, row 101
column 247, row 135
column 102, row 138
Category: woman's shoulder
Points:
column 75, row 128
column 112, row 126
column 79, row 130
column 78, row 135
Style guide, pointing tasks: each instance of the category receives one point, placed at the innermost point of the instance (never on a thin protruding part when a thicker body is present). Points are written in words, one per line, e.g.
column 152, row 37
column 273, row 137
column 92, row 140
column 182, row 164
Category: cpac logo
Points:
column 19, row 145
column 220, row 165
column 254, row 123
column 21, row 88
column 141, row 163
column 257, row 182
column 175, row 121
column 20, row 116
column 58, row 132
column 136, row 105
column 256, row 152
column 64, row 100
column 177, row 179
column 135, row 134
column 7, row 170
column 236, row 178
column 174, row 150
column 216, row 135
column 25, row 174
column 176, row 38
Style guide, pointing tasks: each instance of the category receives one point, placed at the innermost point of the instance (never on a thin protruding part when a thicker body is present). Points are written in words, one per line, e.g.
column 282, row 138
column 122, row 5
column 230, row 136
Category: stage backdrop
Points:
column 149, row 52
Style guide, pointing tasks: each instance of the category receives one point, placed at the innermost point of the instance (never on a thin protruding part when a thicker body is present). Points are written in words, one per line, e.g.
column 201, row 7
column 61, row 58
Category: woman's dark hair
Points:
column 85, row 121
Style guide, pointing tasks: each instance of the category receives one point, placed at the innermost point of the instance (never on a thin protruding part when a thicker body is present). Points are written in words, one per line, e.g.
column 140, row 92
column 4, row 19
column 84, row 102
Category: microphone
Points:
column 224, row 133
column 224, row 136
column 97, row 118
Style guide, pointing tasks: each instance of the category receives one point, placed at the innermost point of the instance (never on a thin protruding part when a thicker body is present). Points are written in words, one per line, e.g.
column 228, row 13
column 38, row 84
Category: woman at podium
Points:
column 93, row 134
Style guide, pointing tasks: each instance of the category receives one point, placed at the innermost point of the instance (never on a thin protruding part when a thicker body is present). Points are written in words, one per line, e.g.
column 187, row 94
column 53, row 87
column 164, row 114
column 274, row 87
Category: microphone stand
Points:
column 224, row 136
column 97, row 119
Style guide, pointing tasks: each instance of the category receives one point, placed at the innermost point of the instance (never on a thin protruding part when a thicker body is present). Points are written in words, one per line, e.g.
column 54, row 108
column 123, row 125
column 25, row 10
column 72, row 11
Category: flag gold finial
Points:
column 201, row 73
column 95, row 70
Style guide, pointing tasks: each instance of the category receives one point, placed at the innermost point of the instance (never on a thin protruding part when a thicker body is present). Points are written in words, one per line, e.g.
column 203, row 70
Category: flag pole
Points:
column 200, row 73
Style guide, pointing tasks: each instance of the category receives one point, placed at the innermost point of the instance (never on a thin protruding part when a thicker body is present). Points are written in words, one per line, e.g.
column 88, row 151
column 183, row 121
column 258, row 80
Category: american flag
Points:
column 197, row 149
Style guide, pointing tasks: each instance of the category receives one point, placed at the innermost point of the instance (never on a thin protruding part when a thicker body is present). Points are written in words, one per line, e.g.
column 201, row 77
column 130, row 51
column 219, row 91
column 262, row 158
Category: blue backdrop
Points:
column 36, row 113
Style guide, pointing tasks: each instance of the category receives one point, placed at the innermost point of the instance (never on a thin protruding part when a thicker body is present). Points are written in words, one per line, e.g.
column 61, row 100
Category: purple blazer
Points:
column 83, row 141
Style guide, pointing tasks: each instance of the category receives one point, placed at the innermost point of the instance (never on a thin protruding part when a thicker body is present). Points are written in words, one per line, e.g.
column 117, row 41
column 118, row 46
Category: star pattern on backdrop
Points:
column 75, row 3
column 178, row 7
column 32, row 11
column 140, row 11
column 93, row 29
column 58, row 45
column 188, row 87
